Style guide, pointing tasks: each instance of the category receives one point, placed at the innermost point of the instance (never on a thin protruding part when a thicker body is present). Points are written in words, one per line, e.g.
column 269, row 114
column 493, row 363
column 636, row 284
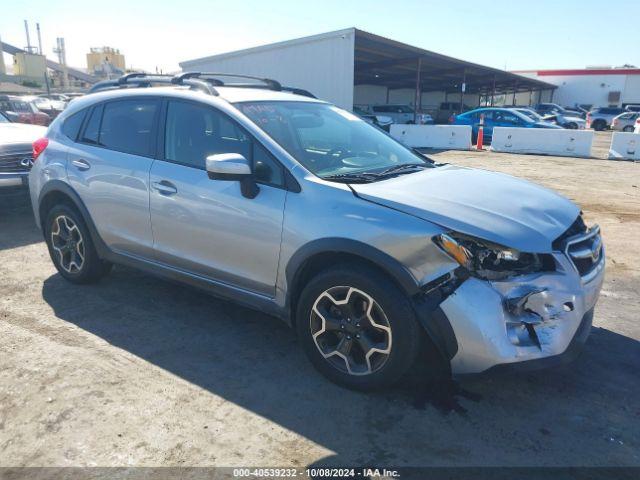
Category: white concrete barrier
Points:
column 449, row 137
column 565, row 142
column 625, row 146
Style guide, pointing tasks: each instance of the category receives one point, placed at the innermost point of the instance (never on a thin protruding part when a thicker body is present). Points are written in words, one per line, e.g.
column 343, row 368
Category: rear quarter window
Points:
column 71, row 125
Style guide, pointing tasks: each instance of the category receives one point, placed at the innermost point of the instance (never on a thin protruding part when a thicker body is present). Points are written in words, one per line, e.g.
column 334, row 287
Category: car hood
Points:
column 20, row 133
column 574, row 119
column 488, row 205
column 546, row 124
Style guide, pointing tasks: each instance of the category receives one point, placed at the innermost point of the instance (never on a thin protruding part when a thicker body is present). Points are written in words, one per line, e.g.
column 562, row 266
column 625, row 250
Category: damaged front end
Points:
column 514, row 307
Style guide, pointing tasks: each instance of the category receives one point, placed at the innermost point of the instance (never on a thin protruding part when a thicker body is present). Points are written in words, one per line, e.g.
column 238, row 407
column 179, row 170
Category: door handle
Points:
column 81, row 164
column 165, row 187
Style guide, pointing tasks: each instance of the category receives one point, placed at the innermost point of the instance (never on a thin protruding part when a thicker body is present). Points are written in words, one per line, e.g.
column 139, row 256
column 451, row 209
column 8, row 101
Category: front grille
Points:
column 15, row 162
column 583, row 247
column 577, row 227
column 585, row 251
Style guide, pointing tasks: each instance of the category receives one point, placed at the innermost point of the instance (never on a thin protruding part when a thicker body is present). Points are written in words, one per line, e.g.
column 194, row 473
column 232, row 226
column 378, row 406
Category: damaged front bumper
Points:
column 525, row 322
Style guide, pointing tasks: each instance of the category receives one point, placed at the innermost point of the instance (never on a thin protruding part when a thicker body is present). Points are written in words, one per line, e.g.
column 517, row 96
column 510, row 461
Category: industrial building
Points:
column 592, row 87
column 105, row 62
column 352, row 67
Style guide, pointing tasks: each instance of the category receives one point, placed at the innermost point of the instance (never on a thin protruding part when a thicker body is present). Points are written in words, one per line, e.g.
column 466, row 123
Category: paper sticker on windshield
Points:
column 347, row 115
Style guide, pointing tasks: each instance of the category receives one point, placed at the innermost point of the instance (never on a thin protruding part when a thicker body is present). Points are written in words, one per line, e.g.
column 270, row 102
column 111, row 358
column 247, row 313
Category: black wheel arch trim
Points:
column 338, row 245
column 58, row 186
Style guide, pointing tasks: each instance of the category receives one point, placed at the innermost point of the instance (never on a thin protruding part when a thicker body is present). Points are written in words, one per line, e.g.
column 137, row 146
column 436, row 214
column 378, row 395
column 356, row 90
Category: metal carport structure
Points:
column 395, row 65
column 333, row 65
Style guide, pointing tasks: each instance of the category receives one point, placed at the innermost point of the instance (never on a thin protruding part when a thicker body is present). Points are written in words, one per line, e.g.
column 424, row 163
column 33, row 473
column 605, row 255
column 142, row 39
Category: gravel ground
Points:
column 136, row 371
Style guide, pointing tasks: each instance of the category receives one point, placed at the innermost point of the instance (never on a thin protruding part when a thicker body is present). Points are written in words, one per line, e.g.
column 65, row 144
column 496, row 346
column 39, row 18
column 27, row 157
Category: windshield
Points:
column 330, row 141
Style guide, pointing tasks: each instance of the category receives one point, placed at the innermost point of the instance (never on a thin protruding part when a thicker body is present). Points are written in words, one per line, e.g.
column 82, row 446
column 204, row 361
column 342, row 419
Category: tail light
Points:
column 39, row 146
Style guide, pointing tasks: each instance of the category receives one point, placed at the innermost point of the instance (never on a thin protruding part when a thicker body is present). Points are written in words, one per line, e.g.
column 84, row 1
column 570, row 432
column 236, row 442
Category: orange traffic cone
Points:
column 480, row 133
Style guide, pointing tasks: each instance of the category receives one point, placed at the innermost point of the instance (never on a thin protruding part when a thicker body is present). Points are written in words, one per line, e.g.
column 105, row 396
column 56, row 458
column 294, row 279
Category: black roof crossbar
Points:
column 145, row 80
column 268, row 82
column 204, row 81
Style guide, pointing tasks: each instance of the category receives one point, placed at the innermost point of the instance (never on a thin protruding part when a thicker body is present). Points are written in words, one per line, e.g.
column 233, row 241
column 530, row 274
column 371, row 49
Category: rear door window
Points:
column 128, row 126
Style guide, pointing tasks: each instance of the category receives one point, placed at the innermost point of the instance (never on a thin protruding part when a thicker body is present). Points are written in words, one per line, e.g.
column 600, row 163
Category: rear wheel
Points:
column 357, row 327
column 628, row 128
column 71, row 247
column 571, row 126
column 599, row 125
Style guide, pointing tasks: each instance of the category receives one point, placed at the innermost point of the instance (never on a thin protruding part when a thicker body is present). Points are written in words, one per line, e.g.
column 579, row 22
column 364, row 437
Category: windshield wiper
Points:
column 353, row 177
column 402, row 168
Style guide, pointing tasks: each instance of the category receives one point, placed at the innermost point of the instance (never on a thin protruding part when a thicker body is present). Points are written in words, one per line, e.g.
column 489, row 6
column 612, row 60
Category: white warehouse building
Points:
column 352, row 67
column 592, row 87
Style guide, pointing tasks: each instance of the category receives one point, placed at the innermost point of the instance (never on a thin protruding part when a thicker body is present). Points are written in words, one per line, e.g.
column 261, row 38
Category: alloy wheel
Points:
column 351, row 330
column 67, row 242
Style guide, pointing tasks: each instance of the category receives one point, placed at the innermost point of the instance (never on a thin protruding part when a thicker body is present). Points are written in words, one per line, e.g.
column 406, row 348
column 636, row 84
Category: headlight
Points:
column 491, row 261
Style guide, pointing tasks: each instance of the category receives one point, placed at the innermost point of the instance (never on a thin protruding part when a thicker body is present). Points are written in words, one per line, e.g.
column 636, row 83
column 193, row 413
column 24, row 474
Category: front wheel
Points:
column 357, row 327
column 628, row 128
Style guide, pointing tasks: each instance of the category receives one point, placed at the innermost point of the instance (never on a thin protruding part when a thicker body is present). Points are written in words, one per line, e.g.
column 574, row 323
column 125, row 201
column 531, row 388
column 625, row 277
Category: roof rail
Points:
column 145, row 80
column 268, row 82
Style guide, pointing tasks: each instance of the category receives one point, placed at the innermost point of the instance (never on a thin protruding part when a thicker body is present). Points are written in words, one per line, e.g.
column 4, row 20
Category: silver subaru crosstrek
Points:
column 298, row 208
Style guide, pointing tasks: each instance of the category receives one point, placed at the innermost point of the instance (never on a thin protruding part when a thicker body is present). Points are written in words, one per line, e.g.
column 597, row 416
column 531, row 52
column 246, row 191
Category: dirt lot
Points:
column 138, row 371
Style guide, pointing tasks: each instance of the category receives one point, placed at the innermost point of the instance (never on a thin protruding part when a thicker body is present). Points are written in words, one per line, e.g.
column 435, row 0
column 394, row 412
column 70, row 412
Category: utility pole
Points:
column 463, row 88
column 41, row 52
column 418, row 93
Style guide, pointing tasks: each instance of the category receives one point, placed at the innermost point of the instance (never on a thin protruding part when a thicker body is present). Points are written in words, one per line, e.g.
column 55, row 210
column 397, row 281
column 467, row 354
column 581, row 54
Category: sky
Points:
column 516, row 35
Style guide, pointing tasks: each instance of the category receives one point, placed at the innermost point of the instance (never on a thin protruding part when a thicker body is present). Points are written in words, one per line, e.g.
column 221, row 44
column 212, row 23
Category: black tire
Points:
column 92, row 268
column 628, row 128
column 571, row 126
column 599, row 125
column 404, row 341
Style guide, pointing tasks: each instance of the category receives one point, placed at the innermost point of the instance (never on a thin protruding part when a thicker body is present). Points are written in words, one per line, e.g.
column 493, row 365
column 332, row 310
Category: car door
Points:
column 207, row 227
column 109, row 169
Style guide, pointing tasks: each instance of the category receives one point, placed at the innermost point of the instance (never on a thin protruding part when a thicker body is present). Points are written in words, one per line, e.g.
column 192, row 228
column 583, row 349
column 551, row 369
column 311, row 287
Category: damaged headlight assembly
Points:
column 491, row 261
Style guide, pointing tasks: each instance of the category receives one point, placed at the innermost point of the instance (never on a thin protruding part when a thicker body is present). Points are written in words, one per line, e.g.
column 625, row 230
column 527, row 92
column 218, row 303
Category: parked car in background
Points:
column 632, row 108
column 61, row 97
column 497, row 117
column 637, row 129
column 625, row 122
column 600, row 118
column 21, row 111
column 402, row 114
column 49, row 106
column 553, row 108
column 16, row 141
column 382, row 121
column 565, row 121
column 448, row 109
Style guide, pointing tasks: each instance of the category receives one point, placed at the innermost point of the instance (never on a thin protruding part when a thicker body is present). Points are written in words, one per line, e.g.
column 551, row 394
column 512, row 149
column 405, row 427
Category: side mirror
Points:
column 233, row 166
column 228, row 166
